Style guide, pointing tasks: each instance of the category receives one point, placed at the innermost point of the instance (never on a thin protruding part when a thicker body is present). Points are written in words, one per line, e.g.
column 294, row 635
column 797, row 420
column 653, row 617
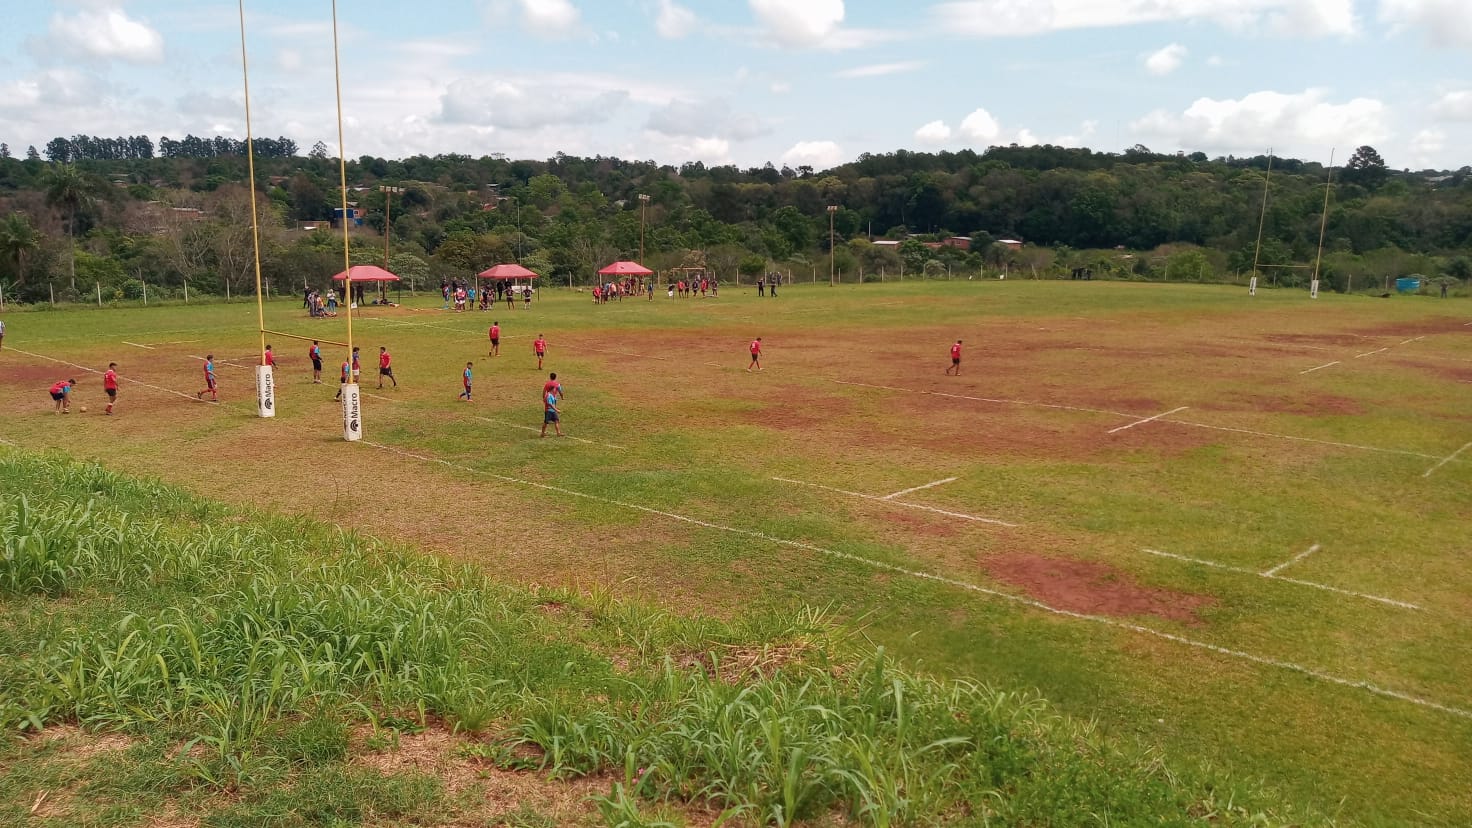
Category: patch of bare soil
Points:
column 1092, row 587
column 79, row 745
column 1422, row 327
column 1347, row 340
column 1309, row 404
column 738, row 664
column 1440, row 371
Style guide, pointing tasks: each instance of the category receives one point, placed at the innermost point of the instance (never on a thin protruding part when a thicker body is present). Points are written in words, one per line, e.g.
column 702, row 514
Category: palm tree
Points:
column 68, row 189
column 17, row 240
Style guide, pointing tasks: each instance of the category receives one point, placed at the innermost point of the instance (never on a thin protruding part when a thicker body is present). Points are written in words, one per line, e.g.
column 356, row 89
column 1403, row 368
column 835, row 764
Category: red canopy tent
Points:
column 507, row 273
column 368, row 273
column 625, row 269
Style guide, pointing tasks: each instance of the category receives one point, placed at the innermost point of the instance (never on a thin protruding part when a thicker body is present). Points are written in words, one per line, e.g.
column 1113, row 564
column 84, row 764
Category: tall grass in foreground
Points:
column 253, row 645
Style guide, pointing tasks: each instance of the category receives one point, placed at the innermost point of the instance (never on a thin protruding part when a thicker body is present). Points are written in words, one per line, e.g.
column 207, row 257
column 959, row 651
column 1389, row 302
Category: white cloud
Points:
column 1454, row 106
column 1428, row 142
column 515, row 105
column 683, row 118
column 674, row 21
column 1447, row 22
column 934, row 133
column 819, row 154
column 1303, row 123
column 875, row 70
column 1166, row 60
column 1010, row 18
column 1215, row 62
column 812, row 24
column 781, row 87
column 108, row 34
column 550, row 18
column 981, row 127
column 1024, row 137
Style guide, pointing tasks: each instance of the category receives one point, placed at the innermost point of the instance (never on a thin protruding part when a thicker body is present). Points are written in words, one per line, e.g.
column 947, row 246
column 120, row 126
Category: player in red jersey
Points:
column 495, row 339
column 955, row 359
column 756, row 354
column 315, row 353
column 383, row 367
column 346, row 373
column 209, row 380
column 269, row 358
column 61, row 394
column 552, row 386
column 110, row 385
column 540, row 347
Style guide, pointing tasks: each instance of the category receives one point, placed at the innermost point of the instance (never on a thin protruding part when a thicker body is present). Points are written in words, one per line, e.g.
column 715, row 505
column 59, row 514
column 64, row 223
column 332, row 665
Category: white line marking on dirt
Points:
column 1301, row 439
column 610, row 351
column 985, row 399
column 1266, row 661
column 1315, row 368
column 960, row 515
column 1147, row 420
column 191, row 397
column 1241, row 570
column 136, row 345
column 1447, row 459
column 175, row 342
column 1372, row 353
column 918, row 488
column 1268, row 573
column 380, row 397
column 565, row 436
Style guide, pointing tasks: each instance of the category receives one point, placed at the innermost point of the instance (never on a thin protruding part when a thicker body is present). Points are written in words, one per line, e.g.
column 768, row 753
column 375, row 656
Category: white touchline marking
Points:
column 1245, row 571
column 1301, row 439
column 136, row 345
column 1147, row 420
column 619, row 353
column 1447, row 459
column 960, row 515
column 1328, row 678
column 985, row 399
column 380, row 397
column 191, row 397
column 1372, row 353
column 175, row 342
column 918, row 488
column 1268, row 573
column 565, row 436
column 1325, row 365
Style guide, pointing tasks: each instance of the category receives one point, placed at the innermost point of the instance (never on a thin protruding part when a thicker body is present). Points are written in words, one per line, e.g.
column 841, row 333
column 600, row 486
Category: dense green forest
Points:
column 120, row 212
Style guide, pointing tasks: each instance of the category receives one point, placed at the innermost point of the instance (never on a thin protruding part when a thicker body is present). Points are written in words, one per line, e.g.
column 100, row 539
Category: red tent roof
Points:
column 367, row 273
column 625, row 269
column 507, row 271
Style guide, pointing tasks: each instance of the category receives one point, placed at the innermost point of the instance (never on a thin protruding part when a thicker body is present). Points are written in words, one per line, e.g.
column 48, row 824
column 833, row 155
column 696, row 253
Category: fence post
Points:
column 53, row 293
column 186, row 291
column 99, row 294
column 145, row 291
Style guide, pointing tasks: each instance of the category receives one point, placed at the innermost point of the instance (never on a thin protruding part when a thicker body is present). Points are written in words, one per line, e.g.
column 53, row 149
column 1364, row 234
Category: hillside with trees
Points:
column 120, row 212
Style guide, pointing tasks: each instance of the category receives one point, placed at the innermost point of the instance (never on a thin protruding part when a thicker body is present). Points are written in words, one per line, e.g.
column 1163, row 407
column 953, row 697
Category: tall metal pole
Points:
column 832, row 272
column 1262, row 219
column 1324, row 221
column 643, row 202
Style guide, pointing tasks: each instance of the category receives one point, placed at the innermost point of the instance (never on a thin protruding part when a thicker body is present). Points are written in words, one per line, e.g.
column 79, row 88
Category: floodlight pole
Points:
column 832, row 273
column 643, row 203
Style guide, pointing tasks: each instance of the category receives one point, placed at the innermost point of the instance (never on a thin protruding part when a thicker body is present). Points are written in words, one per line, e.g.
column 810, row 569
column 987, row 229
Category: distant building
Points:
column 1012, row 244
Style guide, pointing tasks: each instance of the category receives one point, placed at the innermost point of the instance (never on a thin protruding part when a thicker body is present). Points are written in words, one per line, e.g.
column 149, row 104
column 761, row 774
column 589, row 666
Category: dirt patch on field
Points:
column 1446, row 372
column 1093, row 587
column 79, row 745
column 1311, row 404
column 1420, row 328
column 1347, row 340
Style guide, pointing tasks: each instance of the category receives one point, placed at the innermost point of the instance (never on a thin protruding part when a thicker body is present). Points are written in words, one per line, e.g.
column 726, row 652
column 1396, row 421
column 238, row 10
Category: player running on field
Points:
column 955, row 359
column 466, row 377
column 316, row 354
column 211, row 387
column 540, row 347
column 384, row 360
column 61, row 394
column 756, row 354
column 110, row 386
column 495, row 339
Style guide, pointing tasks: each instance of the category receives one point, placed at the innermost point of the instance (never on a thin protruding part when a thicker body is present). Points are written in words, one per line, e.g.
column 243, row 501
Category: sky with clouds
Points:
column 749, row 81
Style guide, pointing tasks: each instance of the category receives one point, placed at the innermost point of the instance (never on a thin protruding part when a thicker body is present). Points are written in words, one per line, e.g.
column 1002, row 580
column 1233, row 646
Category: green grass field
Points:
column 1231, row 531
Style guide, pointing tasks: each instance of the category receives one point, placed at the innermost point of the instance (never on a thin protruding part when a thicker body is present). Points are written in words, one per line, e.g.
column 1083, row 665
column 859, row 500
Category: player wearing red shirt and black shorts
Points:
column 316, row 355
column 540, row 346
column 955, row 359
column 110, row 385
column 552, row 386
column 383, row 367
column 495, row 339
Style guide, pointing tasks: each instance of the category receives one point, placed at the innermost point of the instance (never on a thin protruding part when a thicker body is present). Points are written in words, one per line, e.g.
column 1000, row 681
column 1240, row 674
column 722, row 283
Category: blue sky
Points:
column 749, row 81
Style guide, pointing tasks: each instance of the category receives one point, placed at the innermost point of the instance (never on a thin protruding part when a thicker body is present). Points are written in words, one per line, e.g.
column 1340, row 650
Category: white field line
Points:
column 1328, row 678
column 379, row 397
column 449, row 329
column 1316, row 368
column 1245, row 571
column 175, row 342
column 918, row 488
column 1147, row 419
column 136, row 345
column 986, row 399
column 1372, row 353
column 610, row 351
column 1301, row 439
column 1447, row 459
column 960, row 515
column 1268, row 573
column 565, row 436
column 190, row 397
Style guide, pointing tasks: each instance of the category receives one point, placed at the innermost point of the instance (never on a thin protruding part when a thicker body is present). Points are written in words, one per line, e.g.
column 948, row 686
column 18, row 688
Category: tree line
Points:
column 179, row 213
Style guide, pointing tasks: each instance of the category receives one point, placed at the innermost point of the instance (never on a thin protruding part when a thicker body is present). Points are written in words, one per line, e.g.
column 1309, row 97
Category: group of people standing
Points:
column 701, row 285
column 463, row 295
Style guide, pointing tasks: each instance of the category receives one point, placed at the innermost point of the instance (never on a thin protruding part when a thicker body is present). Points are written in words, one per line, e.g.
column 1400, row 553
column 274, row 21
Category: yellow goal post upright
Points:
column 1257, row 265
column 352, row 399
column 265, row 374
